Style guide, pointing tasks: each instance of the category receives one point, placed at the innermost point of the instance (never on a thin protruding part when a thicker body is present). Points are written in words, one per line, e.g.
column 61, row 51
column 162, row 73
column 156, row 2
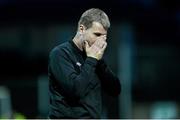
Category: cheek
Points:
column 92, row 40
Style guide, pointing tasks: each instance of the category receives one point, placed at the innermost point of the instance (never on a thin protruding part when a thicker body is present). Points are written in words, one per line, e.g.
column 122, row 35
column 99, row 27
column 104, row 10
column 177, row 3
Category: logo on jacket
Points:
column 78, row 63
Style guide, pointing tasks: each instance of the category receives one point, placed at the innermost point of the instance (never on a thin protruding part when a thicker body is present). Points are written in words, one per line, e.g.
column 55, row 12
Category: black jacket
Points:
column 76, row 81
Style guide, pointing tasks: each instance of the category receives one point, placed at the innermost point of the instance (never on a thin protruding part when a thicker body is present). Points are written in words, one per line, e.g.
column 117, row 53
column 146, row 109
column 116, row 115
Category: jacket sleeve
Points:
column 72, row 83
column 110, row 82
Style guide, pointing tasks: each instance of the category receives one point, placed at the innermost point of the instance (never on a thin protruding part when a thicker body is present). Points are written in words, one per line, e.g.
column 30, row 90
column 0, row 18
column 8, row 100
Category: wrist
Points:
column 92, row 56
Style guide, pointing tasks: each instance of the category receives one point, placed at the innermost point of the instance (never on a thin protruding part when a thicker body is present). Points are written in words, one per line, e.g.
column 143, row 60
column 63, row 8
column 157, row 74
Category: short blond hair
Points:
column 94, row 15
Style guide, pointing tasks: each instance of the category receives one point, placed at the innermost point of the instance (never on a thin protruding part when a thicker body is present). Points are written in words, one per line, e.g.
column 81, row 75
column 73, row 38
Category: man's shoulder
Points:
column 61, row 48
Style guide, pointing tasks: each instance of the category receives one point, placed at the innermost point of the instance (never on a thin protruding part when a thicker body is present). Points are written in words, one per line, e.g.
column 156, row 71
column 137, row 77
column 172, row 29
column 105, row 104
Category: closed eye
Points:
column 97, row 34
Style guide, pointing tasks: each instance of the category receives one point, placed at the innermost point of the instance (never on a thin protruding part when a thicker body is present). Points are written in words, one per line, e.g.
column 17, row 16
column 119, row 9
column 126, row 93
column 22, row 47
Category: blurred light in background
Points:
column 164, row 110
column 5, row 103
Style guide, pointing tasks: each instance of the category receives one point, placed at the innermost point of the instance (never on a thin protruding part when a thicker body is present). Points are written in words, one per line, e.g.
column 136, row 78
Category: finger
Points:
column 95, row 48
column 86, row 44
column 105, row 37
column 104, row 46
column 99, row 43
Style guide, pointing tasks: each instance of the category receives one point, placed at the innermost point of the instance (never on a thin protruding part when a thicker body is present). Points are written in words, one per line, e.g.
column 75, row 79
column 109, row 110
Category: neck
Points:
column 78, row 42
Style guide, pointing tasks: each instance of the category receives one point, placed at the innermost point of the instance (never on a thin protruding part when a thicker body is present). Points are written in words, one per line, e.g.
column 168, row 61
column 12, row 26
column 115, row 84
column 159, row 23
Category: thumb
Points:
column 86, row 45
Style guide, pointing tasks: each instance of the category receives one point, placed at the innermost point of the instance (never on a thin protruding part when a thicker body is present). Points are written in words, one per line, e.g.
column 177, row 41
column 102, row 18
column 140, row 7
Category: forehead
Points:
column 97, row 27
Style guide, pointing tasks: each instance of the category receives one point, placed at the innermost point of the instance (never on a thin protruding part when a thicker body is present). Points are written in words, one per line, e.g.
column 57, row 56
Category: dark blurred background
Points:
column 143, row 50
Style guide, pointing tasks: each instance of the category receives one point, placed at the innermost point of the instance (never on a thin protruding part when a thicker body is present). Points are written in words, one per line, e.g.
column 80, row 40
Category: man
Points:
column 77, row 72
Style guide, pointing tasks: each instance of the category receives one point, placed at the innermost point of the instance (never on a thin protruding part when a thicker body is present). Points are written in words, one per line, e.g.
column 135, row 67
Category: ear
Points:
column 81, row 28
